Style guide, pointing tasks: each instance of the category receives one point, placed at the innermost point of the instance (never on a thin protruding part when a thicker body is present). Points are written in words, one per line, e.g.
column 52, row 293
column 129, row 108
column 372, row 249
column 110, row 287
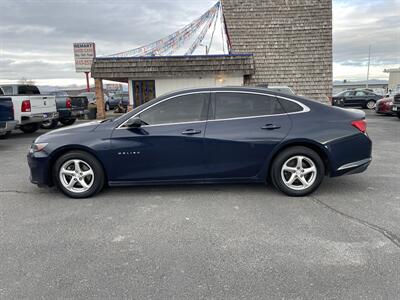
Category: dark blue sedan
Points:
column 207, row 136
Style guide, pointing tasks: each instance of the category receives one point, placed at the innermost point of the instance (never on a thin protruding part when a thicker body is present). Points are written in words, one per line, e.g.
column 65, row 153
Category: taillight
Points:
column 68, row 103
column 26, row 106
column 360, row 125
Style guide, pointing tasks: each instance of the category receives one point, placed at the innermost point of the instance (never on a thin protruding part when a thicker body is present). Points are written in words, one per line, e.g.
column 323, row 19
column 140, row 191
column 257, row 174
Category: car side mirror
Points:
column 134, row 123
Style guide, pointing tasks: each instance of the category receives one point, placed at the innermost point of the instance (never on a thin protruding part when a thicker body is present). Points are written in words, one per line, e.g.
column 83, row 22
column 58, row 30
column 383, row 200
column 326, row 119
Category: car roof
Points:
column 263, row 90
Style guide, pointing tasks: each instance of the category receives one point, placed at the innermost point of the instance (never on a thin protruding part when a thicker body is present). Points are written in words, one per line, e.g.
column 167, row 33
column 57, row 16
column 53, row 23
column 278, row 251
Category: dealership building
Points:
column 272, row 43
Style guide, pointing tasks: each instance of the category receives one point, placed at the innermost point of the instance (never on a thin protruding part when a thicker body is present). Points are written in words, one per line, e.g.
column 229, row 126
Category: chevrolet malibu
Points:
column 212, row 135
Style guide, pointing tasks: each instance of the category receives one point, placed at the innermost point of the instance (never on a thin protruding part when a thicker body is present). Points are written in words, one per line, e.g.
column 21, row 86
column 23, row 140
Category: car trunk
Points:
column 42, row 103
column 6, row 110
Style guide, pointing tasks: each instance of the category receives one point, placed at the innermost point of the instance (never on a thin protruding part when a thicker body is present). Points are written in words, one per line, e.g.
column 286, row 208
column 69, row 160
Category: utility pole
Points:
column 369, row 63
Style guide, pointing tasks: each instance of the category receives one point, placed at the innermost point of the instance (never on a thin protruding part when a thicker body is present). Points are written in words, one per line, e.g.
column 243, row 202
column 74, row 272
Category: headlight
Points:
column 37, row 147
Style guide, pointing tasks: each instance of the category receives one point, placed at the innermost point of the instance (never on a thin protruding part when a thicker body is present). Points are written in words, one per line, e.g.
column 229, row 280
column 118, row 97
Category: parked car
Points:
column 91, row 96
column 356, row 98
column 31, row 108
column 396, row 105
column 69, row 109
column 7, row 122
column 207, row 135
column 384, row 106
column 112, row 102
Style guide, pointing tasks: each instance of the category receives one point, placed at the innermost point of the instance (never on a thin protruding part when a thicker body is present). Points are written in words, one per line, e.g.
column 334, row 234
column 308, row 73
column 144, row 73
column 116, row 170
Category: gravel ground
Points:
column 211, row 241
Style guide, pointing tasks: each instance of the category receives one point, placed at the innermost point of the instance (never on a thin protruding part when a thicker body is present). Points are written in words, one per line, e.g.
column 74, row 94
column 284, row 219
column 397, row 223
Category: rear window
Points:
column 290, row 106
column 28, row 90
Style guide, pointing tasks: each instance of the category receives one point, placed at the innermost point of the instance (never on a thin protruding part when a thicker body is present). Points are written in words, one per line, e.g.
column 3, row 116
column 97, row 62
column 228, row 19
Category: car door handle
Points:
column 271, row 127
column 191, row 132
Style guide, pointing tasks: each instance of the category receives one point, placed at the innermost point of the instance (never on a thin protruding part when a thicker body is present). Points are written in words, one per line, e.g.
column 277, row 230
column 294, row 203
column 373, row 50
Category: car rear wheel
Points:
column 370, row 104
column 49, row 124
column 297, row 171
column 398, row 114
column 78, row 174
column 67, row 122
column 30, row 128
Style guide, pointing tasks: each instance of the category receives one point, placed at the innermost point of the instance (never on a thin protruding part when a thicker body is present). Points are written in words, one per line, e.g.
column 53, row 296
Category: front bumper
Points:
column 7, row 126
column 39, row 168
column 38, row 118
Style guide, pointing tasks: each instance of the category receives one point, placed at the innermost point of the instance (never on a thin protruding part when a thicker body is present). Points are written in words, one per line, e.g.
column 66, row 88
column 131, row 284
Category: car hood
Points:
column 85, row 127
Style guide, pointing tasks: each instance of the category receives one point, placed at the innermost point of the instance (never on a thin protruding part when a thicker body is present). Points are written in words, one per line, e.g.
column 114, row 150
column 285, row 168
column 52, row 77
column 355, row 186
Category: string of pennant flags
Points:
column 168, row 45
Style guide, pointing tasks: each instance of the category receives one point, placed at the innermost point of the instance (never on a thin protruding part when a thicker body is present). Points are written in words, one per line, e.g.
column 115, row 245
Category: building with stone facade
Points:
column 274, row 42
column 291, row 41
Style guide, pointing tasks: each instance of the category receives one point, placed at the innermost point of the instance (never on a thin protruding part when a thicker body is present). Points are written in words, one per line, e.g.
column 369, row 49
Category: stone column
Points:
column 101, row 112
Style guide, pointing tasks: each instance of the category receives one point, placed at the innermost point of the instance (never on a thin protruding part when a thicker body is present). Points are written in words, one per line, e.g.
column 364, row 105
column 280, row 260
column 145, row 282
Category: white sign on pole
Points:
column 84, row 54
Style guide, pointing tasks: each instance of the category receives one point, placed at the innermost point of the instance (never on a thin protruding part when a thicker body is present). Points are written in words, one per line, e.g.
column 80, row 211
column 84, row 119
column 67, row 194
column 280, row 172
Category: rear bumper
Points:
column 72, row 114
column 350, row 155
column 7, row 126
column 37, row 118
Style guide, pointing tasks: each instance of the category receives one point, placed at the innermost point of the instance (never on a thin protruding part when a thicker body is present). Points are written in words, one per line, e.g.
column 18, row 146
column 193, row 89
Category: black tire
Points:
column 99, row 177
column 398, row 114
column 67, row 122
column 370, row 104
column 30, row 128
column 286, row 155
column 6, row 135
column 50, row 124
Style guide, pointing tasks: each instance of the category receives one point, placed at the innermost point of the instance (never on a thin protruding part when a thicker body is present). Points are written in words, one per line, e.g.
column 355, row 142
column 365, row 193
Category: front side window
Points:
column 187, row 108
column 240, row 105
column 360, row 93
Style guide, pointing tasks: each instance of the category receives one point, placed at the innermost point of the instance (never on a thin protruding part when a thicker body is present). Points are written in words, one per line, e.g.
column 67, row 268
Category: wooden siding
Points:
column 291, row 41
column 171, row 67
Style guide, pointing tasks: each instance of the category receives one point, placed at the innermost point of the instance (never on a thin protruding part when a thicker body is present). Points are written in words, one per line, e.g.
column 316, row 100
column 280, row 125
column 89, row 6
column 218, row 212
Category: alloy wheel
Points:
column 371, row 104
column 76, row 176
column 299, row 173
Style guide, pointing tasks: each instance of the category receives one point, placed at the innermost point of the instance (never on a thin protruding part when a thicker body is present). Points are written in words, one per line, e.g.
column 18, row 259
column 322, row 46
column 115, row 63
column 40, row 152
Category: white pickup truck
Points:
column 30, row 108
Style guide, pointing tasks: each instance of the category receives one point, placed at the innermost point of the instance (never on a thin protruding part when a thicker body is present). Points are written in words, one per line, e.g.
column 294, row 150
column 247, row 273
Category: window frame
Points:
column 210, row 115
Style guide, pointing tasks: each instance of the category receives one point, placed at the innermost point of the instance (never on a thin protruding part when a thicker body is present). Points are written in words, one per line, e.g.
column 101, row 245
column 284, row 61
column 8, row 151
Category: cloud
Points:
column 358, row 24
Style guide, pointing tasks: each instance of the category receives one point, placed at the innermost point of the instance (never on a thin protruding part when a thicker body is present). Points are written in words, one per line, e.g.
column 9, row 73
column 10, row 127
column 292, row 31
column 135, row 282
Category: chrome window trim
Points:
column 305, row 108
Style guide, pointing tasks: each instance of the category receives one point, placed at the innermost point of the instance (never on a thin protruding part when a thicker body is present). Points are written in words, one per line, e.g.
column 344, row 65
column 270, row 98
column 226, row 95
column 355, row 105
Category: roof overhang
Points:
column 152, row 67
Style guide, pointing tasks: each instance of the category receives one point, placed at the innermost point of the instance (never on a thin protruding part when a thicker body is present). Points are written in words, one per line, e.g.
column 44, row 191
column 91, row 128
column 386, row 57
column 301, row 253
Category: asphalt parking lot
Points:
column 212, row 241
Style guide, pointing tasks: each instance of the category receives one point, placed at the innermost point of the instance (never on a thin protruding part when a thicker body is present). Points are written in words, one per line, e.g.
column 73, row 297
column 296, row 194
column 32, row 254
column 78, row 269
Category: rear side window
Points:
column 7, row 90
column 240, row 105
column 28, row 90
column 290, row 106
column 1, row 92
column 187, row 108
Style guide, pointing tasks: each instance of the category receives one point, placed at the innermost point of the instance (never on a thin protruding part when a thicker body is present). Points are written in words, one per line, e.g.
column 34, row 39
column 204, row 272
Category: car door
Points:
column 170, row 147
column 359, row 98
column 348, row 98
column 242, row 130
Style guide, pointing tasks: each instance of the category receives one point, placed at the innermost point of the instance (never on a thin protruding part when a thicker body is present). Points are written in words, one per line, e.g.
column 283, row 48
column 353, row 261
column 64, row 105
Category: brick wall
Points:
column 291, row 41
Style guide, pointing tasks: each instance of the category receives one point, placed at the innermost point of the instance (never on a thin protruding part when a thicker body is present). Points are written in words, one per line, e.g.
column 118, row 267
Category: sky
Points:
column 36, row 36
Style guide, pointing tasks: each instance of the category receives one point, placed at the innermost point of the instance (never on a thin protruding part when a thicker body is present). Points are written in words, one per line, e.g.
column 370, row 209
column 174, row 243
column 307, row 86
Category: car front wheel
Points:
column 297, row 171
column 78, row 174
